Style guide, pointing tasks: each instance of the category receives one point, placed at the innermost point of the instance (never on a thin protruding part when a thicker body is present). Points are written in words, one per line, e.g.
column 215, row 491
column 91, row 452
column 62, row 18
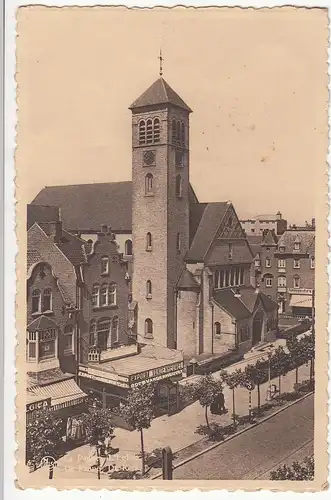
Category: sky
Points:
column 255, row 79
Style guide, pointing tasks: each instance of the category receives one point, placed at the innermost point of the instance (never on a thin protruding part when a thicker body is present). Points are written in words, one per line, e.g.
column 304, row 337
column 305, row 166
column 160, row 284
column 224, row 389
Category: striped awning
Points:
column 63, row 394
column 301, row 301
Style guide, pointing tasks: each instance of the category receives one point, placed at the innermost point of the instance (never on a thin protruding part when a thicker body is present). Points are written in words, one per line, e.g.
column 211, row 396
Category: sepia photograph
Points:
column 171, row 186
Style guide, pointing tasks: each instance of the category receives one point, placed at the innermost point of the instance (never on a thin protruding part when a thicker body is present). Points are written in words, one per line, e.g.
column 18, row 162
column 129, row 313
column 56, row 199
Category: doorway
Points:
column 257, row 327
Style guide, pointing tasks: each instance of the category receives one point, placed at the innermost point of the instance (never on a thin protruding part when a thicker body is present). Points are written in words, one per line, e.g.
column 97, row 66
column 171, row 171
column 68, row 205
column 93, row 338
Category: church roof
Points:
column 206, row 219
column 86, row 207
column 159, row 92
column 233, row 305
column 187, row 280
column 41, row 213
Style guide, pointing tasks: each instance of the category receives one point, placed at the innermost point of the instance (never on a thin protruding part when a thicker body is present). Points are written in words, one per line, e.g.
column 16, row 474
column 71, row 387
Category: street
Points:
column 252, row 455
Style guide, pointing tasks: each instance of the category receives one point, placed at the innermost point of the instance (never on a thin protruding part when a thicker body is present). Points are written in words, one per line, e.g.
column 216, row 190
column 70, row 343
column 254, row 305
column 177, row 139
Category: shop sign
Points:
column 157, row 373
column 103, row 379
column 301, row 291
column 38, row 405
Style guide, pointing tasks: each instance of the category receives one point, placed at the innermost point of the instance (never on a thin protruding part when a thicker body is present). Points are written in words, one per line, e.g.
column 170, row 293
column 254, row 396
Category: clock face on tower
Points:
column 149, row 157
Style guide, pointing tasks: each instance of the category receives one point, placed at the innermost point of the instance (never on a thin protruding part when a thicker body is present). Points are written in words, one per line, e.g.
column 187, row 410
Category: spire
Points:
column 161, row 61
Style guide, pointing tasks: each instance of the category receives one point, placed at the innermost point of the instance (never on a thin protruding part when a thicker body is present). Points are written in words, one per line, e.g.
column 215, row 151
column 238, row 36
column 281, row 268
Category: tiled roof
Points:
column 233, row 305
column 73, row 248
column 268, row 304
column 210, row 219
column 42, row 323
column 248, row 296
column 306, row 238
column 187, row 281
column 33, row 256
column 41, row 213
column 86, row 207
column 159, row 92
column 269, row 239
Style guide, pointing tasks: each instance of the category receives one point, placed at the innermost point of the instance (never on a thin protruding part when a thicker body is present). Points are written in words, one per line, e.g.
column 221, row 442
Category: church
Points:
column 190, row 264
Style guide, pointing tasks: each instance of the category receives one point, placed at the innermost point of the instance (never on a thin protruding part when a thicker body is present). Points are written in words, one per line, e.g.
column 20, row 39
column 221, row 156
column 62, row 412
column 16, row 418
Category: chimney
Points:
column 313, row 223
column 104, row 229
column 278, row 215
column 55, row 230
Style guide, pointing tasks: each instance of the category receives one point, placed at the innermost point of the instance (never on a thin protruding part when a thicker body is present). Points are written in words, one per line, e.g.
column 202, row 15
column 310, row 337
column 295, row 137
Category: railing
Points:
column 94, row 354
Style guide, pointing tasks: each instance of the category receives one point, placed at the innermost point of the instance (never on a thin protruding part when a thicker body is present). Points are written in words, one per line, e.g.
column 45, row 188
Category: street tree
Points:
column 44, row 436
column 233, row 380
column 296, row 472
column 297, row 354
column 257, row 374
column 206, row 391
column 98, row 425
column 308, row 348
column 139, row 411
column 280, row 364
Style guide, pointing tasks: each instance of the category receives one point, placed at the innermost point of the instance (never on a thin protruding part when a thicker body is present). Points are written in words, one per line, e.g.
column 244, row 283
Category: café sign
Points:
column 38, row 405
column 157, row 373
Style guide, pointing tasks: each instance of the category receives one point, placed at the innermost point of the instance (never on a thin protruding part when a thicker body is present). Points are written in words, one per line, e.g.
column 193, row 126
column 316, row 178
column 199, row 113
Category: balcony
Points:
column 99, row 355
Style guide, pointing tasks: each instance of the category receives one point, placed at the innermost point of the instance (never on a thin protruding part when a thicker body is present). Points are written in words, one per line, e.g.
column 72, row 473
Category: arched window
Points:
column 36, row 301
column 95, row 295
column 92, row 337
column 296, row 281
column 281, row 281
column 178, row 132
column 148, row 289
column 156, row 130
column 112, row 294
column 178, row 186
column 47, row 300
column 178, row 243
column 217, row 328
column 103, row 331
column 268, row 279
column 128, row 247
column 149, row 184
column 149, row 242
column 148, row 328
column 114, row 329
column 174, row 131
column 104, row 295
column 142, row 132
column 68, row 339
column 149, row 131
column 182, row 133
column 312, row 262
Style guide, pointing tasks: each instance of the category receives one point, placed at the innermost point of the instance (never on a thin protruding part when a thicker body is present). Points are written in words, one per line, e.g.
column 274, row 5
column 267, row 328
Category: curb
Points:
column 215, row 445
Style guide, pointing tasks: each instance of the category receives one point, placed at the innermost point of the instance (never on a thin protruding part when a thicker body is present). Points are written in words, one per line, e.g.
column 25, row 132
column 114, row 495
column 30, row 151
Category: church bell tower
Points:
column 160, row 208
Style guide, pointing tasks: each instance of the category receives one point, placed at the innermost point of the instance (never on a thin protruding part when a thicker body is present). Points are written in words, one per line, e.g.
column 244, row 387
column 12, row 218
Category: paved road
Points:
column 252, row 455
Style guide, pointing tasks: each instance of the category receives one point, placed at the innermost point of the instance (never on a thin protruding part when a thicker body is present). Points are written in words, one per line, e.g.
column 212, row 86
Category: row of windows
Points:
column 149, row 185
column 104, row 333
column 281, row 281
column 104, row 295
column 42, row 302
column 149, row 131
column 42, row 345
column 229, row 277
column 282, row 263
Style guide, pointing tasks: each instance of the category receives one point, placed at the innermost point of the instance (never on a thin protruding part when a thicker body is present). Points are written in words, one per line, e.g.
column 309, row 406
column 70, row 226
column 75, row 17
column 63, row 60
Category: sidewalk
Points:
column 176, row 431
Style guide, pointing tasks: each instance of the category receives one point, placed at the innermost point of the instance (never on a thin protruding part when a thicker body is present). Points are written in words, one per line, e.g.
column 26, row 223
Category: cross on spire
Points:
column 161, row 61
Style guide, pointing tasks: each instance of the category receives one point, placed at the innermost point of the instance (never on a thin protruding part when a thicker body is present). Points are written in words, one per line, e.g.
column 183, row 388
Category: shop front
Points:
column 301, row 302
column 66, row 400
column 111, row 381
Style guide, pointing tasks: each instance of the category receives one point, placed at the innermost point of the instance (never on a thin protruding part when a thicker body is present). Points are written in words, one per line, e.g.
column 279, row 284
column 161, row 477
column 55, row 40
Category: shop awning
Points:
column 63, row 394
column 301, row 301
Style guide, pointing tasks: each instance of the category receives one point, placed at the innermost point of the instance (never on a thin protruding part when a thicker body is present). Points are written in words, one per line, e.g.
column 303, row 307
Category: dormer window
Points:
column 297, row 245
column 282, row 249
